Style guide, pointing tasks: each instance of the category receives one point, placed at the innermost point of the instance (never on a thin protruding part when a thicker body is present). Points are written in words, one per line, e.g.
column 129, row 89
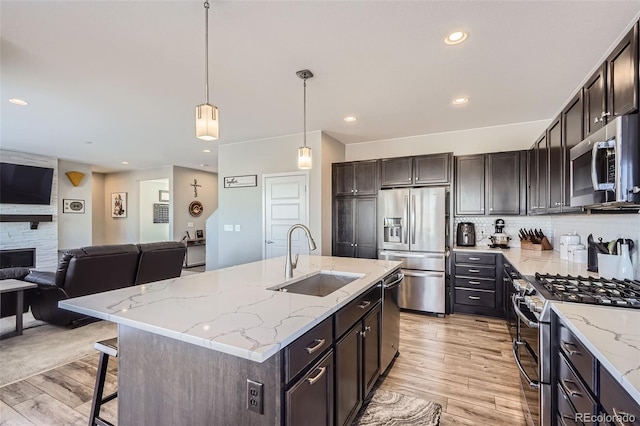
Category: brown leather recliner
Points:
column 160, row 261
column 81, row 272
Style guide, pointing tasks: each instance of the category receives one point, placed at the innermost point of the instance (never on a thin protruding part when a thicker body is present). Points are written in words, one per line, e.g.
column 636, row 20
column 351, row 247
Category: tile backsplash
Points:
column 607, row 226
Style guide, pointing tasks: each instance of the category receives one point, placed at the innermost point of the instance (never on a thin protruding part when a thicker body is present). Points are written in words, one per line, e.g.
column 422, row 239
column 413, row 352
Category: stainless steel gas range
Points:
column 530, row 320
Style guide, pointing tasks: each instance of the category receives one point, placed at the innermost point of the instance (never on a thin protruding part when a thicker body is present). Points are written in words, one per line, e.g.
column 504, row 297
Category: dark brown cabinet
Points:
column 540, row 177
column 555, row 199
column 354, row 233
column 595, row 101
column 413, row 171
column 475, row 283
column 572, row 134
column 622, row 76
column 310, row 400
column 357, row 365
column 469, row 185
column 493, row 184
column 358, row 178
column 532, row 180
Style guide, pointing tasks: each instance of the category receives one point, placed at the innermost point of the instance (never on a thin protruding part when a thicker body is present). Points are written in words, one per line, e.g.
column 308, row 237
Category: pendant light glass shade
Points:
column 304, row 158
column 207, row 122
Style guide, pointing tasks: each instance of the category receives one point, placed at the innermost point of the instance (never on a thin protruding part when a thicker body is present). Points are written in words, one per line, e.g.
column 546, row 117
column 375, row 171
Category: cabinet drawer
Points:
column 351, row 313
column 299, row 354
column 616, row 401
column 476, row 297
column 476, row 283
column 565, row 410
column 579, row 357
column 310, row 399
column 479, row 258
column 574, row 388
column 476, row 271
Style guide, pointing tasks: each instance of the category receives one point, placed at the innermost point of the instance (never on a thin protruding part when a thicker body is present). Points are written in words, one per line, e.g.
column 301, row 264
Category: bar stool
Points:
column 107, row 348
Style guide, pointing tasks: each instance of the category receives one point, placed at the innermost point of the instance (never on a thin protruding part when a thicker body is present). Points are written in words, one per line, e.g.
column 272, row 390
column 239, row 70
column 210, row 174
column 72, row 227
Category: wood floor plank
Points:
column 488, row 416
column 46, row 410
column 62, row 388
column 86, row 374
column 509, row 405
column 10, row 417
column 18, row 392
column 108, row 411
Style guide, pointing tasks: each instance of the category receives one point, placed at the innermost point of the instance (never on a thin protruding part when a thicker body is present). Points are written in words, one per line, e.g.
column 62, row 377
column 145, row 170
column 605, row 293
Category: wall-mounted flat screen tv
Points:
column 21, row 184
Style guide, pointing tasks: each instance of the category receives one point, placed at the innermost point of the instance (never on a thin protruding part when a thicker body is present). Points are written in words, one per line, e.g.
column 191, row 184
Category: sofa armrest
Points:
column 42, row 278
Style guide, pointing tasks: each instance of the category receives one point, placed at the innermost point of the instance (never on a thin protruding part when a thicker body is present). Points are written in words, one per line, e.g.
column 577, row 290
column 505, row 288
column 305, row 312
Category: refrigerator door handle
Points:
column 413, row 219
column 408, row 254
column 405, row 230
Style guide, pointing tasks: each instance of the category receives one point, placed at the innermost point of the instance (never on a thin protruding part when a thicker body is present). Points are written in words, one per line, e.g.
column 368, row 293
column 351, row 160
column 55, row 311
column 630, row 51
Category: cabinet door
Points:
column 396, row 172
column 371, row 348
column 503, row 183
column 542, row 163
column 310, row 399
column 595, row 101
column 431, row 169
column 365, row 228
column 532, row 180
column 343, row 222
column 622, row 76
column 554, row 144
column 572, row 134
column 469, row 185
column 343, row 179
column 366, row 177
column 348, row 355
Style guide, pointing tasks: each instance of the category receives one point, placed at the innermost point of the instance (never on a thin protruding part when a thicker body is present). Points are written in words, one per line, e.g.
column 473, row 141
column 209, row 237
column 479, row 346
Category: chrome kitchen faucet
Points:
column 291, row 264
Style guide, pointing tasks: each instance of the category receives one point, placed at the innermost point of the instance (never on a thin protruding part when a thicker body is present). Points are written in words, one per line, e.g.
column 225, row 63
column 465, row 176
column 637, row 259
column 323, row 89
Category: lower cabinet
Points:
column 357, row 365
column 475, row 283
column 310, row 400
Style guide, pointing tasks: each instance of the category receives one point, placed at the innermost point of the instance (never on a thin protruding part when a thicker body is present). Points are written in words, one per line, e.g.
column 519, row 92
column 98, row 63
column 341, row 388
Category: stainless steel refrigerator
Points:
column 412, row 229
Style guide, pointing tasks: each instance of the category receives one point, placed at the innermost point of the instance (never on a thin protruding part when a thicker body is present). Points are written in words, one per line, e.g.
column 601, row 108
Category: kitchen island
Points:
column 188, row 346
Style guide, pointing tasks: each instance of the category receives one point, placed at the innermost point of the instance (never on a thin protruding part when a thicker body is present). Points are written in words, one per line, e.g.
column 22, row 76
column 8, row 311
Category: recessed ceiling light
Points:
column 206, row 150
column 460, row 101
column 204, row 165
column 456, row 37
column 124, row 162
column 350, row 118
column 18, row 102
column 88, row 142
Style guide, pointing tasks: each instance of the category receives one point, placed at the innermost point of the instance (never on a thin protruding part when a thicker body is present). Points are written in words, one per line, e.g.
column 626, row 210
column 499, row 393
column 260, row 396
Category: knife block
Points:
column 544, row 245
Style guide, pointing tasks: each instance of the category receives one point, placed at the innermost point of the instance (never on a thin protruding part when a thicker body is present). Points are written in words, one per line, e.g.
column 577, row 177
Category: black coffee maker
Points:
column 466, row 234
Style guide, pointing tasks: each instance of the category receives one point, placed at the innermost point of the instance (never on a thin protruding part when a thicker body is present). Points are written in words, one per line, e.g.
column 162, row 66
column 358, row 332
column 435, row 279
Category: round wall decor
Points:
column 195, row 208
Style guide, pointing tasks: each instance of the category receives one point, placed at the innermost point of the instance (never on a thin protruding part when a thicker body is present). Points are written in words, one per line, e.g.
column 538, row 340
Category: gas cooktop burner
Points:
column 599, row 291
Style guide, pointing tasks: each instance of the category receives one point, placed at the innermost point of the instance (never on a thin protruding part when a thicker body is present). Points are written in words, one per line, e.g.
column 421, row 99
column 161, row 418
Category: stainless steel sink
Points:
column 319, row 285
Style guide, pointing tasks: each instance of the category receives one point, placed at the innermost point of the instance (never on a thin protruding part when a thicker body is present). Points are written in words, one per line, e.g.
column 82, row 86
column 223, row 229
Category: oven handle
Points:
column 534, row 384
column 523, row 318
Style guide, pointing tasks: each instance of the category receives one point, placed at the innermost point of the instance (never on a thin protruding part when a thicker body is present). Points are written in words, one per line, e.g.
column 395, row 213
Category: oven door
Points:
column 525, row 352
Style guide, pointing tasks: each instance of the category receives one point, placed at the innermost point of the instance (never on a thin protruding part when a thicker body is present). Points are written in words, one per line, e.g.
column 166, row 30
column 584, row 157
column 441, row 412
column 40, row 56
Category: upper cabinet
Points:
column 541, row 165
column 357, row 178
column 572, row 119
column 492, row 184
column 556, row 170
column 416, row 171
column 613, row 89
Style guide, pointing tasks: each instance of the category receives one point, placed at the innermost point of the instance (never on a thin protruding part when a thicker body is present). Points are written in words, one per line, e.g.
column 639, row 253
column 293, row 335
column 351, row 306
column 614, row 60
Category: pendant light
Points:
column 206, row 114
column 304, row 152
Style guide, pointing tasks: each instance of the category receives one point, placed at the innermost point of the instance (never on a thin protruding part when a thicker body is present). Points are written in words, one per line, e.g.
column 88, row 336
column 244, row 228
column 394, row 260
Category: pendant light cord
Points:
column 305, row 112
column 206, row 50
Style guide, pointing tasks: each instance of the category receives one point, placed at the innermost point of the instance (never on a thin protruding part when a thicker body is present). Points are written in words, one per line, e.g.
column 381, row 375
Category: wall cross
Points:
column 195, row 187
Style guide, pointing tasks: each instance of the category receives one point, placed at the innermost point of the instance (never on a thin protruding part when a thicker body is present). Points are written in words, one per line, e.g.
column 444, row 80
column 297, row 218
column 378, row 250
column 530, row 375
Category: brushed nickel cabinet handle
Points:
column 619, row 415
column 474, row 282
column 367, row 328
column 565, row 345
column 364, row 304
column 474, row 298
column 474, row 271
column 318, row 344
column 570, row 392
column 312, row 380
column 474, row 258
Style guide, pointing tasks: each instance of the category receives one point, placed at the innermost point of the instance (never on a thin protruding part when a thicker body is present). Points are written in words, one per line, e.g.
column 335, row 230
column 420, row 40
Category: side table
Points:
column 17, row 286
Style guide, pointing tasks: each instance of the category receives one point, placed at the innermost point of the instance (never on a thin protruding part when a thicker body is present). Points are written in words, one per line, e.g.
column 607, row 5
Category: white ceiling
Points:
column 127, row 75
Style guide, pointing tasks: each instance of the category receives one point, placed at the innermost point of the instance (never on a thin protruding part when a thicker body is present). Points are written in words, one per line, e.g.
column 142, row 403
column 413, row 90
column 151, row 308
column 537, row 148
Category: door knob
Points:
column 269, row 242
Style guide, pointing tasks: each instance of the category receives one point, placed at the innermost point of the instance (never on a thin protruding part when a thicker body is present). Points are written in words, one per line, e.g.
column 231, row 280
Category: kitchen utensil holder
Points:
column 543, row 245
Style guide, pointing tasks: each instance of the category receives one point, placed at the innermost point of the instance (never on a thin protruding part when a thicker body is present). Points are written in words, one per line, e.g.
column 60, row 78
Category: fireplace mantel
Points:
column 33, row 219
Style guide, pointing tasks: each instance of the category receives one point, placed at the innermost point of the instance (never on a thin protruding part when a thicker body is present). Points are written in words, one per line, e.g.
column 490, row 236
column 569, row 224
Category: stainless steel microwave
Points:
column 605, row 167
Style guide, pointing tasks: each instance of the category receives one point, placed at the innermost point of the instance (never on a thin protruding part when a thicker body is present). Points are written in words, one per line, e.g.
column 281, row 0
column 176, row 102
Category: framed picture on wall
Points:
column 72, row 206
column 118, row 204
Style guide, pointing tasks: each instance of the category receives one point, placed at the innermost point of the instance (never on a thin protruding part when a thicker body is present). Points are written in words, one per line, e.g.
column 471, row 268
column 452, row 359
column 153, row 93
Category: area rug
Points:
column 43, row 347
column 391, row 408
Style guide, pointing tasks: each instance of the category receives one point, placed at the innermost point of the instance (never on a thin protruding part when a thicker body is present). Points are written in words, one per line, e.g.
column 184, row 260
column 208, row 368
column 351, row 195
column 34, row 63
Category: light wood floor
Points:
column 462, row 362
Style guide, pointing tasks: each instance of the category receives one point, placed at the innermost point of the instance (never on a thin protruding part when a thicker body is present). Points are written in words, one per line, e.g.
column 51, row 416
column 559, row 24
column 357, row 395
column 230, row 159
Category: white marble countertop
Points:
column 612, row 335
column 528, row 262
column 232, row 310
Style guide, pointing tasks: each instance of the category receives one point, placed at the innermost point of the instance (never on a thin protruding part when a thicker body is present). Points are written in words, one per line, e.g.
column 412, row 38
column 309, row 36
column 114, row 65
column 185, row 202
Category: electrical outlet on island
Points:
column 254, row 396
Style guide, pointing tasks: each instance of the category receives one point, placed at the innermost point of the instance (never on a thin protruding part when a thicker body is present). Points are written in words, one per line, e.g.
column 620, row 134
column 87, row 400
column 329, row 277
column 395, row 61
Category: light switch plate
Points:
column 189, row 224
column 237, row 227
column 228, row 228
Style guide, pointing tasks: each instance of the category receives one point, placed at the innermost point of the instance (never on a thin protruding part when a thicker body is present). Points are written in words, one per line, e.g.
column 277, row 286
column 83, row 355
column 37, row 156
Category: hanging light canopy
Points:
column 206, row 114
column 304, row 152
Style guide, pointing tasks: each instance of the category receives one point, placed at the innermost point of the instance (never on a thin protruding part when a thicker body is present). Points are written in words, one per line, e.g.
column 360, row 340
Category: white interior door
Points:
column 285, row 204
